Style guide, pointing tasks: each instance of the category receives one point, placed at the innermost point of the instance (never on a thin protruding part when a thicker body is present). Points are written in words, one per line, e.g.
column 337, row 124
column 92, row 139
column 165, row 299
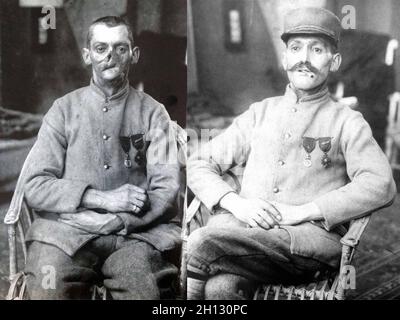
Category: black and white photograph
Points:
column 197, row 157
column 293, row 124
column 93, row 105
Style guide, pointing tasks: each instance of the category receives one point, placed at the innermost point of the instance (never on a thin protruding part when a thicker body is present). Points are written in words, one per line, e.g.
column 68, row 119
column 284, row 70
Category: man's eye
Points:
column 295, row 48
column 122, row 49
column 317, row 50
column 100, row 49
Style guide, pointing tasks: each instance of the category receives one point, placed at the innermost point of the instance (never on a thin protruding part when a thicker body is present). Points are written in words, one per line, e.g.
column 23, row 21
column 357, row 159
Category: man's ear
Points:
column 336, row 62
column 86, row 56
column 135, row 55
column 284, row 61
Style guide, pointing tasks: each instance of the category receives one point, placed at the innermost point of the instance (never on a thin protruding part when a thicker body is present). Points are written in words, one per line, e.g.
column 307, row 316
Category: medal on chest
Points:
column 325, row 145
column 139, row 144
column 126, row 146
column 309, row 146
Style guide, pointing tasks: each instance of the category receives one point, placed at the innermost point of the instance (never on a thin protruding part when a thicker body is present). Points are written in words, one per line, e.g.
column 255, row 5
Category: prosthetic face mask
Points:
column 308, row 61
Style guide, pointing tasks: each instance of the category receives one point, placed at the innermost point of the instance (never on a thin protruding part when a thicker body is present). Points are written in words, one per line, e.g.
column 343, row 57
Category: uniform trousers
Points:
column 130, row 269
column 235, row 259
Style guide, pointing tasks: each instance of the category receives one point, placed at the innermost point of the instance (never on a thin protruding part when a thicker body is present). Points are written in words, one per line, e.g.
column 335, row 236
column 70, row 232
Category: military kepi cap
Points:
column 313, row 21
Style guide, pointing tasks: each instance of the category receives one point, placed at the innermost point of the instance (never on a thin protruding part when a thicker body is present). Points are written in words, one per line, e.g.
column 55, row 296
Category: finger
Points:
column 137, row 203
column 140, row 196
column 135, row 208
column 265, row 216
column 252, row 223
column 270, row 208
column 264, row 223
column 136, row 188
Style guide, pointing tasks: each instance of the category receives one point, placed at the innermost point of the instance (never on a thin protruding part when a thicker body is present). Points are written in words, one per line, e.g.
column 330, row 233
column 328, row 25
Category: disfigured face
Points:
column 308, row 61
column 110, row 53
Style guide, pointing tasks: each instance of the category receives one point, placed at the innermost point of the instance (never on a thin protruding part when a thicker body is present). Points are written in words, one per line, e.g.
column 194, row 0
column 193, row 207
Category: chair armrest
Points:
column 357, row 227
column 14, row 211
column 191, row 211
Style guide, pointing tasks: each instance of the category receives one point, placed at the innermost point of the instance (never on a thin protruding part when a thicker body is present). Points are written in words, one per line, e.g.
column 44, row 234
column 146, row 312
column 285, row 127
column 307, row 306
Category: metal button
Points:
column 294, row 110
column 287, row 135
column 106, row 166
column 105, row 137
column 281, row 162
column 105, row 109
column 276, row 190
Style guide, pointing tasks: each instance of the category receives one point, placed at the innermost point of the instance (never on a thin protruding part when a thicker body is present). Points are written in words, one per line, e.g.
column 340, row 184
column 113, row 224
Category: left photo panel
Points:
column 92, row 149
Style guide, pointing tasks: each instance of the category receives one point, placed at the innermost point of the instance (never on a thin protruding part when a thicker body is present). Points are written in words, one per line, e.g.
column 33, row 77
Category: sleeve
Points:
column 163, row 171
column 371, row 183
column 45, row 189
column 212, row 159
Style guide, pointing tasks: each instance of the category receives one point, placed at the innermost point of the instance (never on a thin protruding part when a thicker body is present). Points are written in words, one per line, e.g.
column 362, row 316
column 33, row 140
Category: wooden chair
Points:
column 329, row 287
column 392, row 143
column 20, row 217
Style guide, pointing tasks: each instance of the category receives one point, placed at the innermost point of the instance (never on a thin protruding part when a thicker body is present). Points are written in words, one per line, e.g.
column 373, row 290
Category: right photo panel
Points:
column 293, row 137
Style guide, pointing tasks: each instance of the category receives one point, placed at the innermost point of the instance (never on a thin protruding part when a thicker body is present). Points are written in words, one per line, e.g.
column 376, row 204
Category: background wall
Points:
column 235, row 78
column 238, row 79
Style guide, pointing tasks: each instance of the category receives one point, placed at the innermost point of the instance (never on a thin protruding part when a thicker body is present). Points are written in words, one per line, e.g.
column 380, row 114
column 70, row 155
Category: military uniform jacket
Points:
column 78, row 147
column 268, row 137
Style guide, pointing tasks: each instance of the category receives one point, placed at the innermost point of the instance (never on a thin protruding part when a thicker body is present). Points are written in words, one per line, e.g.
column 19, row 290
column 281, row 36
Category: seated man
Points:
column 103, row 178
column 311, row 166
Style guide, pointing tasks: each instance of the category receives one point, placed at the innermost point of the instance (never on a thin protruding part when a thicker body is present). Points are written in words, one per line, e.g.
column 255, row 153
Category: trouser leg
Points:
column 138, row 271
column 53, row 275
column 252, row 253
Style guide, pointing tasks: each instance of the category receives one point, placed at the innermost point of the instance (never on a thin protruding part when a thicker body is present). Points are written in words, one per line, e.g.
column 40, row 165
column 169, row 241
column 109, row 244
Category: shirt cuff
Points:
column 214, row 194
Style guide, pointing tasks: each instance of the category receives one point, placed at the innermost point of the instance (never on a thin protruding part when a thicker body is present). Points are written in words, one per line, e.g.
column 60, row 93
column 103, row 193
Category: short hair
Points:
column 109, row 21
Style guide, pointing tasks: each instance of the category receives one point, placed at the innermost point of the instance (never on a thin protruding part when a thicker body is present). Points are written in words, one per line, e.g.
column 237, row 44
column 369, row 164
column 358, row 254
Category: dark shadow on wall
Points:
column 235, row 78
column 162, row 70
column 366, row 76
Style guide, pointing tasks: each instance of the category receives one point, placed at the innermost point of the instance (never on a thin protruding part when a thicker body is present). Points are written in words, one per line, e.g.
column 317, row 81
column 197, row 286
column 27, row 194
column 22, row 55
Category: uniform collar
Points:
column 98, row 92
column 318, row 96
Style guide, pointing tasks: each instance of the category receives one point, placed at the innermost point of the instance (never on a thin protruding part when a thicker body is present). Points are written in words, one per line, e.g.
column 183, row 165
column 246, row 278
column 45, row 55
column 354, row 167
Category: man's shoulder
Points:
column 261, row 106
column 77, row 94
column 63, row 104
column 342, row 110
column 145, row 98
column 149, row 105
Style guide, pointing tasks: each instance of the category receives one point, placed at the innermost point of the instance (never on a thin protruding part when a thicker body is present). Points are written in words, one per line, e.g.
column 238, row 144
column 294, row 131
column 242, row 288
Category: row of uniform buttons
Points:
column 105, row 138
column 281, row 162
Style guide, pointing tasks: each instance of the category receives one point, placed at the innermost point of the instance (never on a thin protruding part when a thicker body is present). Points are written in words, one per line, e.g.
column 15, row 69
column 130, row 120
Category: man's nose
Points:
column 111, row 54
column 304, row 55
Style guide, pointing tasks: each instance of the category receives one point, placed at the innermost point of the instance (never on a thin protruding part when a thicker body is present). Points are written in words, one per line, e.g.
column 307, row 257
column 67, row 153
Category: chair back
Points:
column 392, row 142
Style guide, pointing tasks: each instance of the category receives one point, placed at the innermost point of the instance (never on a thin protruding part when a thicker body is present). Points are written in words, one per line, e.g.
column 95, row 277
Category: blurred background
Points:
column 234, row 59
column 234, row 53
column 38, row 65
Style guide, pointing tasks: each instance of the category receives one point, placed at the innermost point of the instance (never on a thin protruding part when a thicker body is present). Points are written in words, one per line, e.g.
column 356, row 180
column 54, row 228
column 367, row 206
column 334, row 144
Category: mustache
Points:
column 306, row 64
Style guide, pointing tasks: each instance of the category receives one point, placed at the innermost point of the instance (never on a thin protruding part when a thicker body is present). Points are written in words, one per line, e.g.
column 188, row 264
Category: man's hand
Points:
column 292, row 215
column 254, row 212
column 127, row 198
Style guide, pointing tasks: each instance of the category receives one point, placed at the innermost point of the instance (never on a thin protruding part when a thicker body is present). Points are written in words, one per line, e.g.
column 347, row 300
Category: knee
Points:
column 203, row 237
column 51, row 274
column 225, row 287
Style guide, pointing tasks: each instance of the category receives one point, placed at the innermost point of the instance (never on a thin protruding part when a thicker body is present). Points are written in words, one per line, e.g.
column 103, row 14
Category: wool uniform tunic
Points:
column 268, row 137
column 78, row 147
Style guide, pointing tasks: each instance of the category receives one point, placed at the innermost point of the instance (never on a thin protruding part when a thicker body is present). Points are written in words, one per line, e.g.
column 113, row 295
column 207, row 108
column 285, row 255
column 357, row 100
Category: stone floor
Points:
column 377, row 259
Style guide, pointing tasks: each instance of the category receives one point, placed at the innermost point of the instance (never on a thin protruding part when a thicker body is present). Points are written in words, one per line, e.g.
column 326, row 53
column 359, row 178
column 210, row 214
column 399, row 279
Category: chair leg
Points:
column 17, row 287
column 12, row 242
